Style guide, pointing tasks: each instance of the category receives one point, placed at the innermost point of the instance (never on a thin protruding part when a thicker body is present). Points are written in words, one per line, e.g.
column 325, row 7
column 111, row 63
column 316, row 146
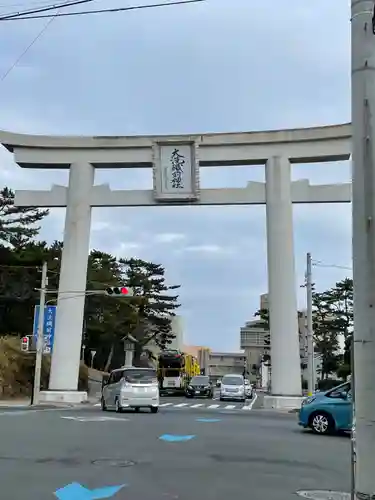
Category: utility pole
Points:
column 309, row 328
column 40, row 336
column 363, row 212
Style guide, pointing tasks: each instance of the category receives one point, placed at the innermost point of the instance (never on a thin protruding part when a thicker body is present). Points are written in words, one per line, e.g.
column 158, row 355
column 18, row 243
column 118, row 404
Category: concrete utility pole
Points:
column 40, row 336
column 363, row 205
column 309, row 328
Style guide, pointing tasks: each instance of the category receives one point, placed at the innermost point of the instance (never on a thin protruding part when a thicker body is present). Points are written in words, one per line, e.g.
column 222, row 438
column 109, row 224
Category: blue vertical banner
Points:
column 48, row 327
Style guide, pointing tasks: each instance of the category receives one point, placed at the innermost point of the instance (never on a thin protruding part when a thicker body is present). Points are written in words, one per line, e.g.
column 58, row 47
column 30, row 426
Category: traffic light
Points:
column 25, row 344
column 267, row 340
column 119, row 291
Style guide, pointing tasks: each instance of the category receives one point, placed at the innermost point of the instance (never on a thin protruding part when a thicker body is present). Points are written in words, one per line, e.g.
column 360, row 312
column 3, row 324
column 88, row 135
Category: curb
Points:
column 280, row 411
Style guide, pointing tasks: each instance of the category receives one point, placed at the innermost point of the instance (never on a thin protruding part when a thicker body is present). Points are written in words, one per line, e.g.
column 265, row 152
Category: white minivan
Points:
column 130, row 388
column 232, row 388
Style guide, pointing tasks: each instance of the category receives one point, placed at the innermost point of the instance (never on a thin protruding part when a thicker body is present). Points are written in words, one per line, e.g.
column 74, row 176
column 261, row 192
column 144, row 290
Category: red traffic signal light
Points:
column 25, row 343
column 119, row 290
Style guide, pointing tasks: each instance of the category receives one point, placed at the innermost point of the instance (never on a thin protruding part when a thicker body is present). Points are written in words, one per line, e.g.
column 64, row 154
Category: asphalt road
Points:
column 257, row 454
column 173, row 402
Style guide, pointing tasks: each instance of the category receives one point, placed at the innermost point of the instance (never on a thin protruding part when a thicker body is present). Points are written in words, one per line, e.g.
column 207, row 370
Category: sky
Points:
column 215, row 66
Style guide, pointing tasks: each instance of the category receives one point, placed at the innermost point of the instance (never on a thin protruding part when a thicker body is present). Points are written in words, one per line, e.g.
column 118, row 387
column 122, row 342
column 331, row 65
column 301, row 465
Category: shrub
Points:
column 17, row 370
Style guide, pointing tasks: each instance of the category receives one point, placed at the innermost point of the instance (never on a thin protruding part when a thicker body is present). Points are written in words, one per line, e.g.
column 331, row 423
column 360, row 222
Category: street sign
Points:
column 49, row 327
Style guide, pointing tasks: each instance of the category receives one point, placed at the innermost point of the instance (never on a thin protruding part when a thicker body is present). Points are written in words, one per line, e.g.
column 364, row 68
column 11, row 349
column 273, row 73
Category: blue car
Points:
column 328, row 412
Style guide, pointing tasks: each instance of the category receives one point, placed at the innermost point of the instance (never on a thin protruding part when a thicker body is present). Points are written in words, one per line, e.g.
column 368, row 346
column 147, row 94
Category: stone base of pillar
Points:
column 71, row 397
column 282, row 402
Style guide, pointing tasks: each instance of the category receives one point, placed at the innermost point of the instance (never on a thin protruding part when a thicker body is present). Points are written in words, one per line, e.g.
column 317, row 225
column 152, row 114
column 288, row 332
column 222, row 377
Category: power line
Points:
column 39, row 35
column 102, row 11
column 35, row 39
column 35, row 4
column 318, row 263
column 61, row 5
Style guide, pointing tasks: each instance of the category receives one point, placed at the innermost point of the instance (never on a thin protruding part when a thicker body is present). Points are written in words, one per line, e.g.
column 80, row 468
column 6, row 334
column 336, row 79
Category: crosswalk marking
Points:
column 203, row 406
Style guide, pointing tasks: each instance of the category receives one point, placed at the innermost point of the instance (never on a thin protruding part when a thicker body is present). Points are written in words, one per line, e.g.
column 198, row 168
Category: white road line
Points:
column 229, row 407
column 250, row 406
column 181, row 405
column 213, row 406
column 165, row 404
column 196, row 406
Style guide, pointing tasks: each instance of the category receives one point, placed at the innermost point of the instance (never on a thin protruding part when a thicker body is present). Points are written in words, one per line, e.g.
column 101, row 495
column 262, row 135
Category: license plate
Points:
column 197, row 392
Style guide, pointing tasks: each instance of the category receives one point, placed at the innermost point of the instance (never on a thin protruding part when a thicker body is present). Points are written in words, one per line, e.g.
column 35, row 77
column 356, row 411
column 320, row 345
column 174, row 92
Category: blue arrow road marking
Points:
column 208, row 420
column 76, row 491
column 174, row 438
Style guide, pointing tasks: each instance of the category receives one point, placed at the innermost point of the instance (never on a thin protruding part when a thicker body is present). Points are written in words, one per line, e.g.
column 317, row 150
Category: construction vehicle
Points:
column 175, row 370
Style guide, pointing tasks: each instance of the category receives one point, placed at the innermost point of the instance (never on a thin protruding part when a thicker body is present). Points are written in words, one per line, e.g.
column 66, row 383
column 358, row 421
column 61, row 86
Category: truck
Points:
column 175, row 370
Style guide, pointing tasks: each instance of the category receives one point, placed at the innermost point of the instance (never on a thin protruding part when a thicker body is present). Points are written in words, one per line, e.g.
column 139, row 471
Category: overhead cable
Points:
column 35, row 39
column 99, row 11
column 46, row 8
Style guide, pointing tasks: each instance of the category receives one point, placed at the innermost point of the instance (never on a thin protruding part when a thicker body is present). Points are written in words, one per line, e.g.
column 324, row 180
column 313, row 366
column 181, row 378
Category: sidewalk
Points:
column 26, row 403
column 14, row 403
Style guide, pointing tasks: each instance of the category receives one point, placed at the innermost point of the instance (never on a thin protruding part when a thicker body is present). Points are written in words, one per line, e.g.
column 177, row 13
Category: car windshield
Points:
column 200, row 380
column 232, row 381
column 135, row 376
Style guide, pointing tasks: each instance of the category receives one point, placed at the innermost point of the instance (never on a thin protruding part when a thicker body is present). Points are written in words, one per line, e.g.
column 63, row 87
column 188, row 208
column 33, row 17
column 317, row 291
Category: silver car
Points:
column 232, row 388
column 249, row 389
column 130, row 388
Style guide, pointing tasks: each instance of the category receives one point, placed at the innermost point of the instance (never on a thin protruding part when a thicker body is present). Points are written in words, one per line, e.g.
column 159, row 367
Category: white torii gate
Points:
column 175, row 161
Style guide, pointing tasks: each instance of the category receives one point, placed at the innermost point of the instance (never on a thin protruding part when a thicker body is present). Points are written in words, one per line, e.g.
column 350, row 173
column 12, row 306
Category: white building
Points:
column 178, row 331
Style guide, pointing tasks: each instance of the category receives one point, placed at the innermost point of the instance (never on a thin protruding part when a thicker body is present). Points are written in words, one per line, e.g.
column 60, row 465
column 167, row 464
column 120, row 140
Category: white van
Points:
column 233, row 388
column 130, row 388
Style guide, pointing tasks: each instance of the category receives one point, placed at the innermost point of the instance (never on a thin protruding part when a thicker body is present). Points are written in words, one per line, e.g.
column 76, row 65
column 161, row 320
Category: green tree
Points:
column 340, row 301
column 20, row 274
column 153, row 304
column 17, row 224
column 325, row 334
column 264, row 318
column 107, row 319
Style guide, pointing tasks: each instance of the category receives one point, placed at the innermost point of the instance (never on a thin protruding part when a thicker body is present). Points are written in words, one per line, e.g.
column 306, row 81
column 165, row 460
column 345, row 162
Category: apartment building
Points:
column 222, row 363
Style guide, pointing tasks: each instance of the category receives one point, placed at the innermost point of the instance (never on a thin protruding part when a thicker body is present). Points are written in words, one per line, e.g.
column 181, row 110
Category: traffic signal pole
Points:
column 40, row 337
column 363, row 212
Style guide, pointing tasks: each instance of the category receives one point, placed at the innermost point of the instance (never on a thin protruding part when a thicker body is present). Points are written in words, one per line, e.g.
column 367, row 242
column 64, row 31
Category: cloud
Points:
column 198, row 68
column 208, row 249
column 130, row 246
column 169, row 237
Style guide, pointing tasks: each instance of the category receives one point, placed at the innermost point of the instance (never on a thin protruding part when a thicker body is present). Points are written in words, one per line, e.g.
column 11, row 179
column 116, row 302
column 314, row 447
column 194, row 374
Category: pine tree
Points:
column 153, row 303
column 340, row 301
column 107, row 319
column 325, row 333
column 17, row 224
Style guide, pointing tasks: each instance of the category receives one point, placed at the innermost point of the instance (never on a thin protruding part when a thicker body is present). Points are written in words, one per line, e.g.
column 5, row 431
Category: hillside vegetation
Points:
column 17, row 370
